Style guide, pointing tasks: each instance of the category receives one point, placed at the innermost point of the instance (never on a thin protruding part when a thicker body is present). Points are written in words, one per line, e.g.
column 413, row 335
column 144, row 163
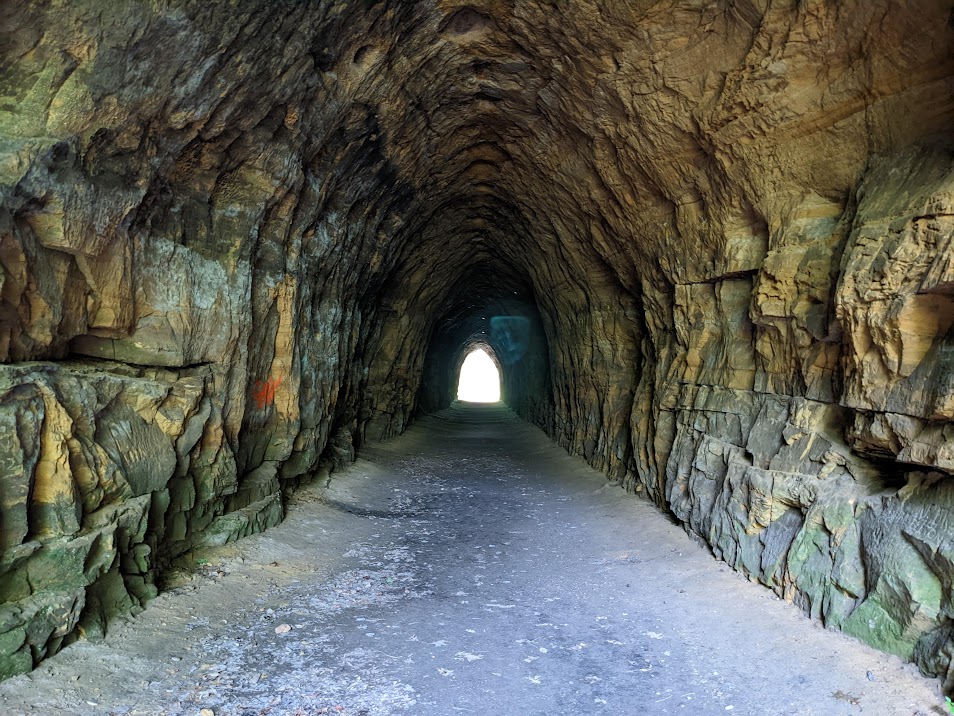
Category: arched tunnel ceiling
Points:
column 257, row 234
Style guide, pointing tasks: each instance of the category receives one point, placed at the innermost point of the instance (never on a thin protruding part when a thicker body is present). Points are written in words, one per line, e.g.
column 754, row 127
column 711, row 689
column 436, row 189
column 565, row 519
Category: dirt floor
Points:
column 469, row 567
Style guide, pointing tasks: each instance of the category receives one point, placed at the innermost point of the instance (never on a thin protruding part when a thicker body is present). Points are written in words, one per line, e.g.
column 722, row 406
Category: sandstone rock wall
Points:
column 192, row 228
column 710, row 245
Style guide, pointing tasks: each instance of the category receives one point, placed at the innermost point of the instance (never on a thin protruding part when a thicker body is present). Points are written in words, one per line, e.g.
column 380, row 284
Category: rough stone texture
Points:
column 710, row 244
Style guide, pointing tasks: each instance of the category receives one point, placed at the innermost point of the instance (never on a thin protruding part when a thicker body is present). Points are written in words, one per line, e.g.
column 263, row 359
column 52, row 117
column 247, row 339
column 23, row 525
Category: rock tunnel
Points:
column 709, row 244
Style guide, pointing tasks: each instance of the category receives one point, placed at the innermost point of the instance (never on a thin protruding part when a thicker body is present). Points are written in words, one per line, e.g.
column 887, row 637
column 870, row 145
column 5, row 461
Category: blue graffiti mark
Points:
column 510, row 337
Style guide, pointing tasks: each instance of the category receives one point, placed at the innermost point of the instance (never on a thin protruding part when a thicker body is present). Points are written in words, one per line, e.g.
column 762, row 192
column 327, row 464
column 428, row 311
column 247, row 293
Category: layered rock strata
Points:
column 710, row 245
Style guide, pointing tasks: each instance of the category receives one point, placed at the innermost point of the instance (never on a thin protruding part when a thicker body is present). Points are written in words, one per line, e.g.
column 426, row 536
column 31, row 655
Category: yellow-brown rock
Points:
column 710, row 245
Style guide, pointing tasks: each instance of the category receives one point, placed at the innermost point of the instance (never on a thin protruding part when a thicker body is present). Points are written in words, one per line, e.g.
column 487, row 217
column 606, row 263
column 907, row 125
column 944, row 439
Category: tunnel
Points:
column 246, row 248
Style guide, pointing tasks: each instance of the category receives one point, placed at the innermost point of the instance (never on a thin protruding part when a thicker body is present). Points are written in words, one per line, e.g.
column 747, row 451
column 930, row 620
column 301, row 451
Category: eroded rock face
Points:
column 709, row 244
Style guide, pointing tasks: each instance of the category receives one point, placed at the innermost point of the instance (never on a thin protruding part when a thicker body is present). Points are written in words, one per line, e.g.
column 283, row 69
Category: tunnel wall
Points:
column 783, row 425
column 193, row 233
column 229, row 234
column 520, row 343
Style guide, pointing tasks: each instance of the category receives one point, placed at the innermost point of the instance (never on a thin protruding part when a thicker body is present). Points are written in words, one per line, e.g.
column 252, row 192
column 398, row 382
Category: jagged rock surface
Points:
column 711, row 245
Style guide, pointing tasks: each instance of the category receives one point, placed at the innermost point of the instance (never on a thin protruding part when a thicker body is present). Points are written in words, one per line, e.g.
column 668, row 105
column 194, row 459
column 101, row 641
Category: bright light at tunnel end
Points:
column 479, row 379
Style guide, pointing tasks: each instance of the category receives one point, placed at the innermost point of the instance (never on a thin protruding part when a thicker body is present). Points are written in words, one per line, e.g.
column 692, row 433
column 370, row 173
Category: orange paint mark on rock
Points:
column 264, row 394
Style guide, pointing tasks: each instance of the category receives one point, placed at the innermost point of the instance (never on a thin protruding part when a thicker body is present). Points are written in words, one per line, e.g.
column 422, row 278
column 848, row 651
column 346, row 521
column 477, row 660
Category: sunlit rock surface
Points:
column 709, row 244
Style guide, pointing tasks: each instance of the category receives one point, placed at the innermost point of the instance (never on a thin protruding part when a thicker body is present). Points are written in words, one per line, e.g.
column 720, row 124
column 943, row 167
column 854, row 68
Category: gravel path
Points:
column 469, row 567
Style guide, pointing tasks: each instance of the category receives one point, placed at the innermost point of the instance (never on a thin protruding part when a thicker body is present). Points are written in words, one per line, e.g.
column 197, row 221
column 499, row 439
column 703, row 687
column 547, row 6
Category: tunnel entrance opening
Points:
column 479, row 379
